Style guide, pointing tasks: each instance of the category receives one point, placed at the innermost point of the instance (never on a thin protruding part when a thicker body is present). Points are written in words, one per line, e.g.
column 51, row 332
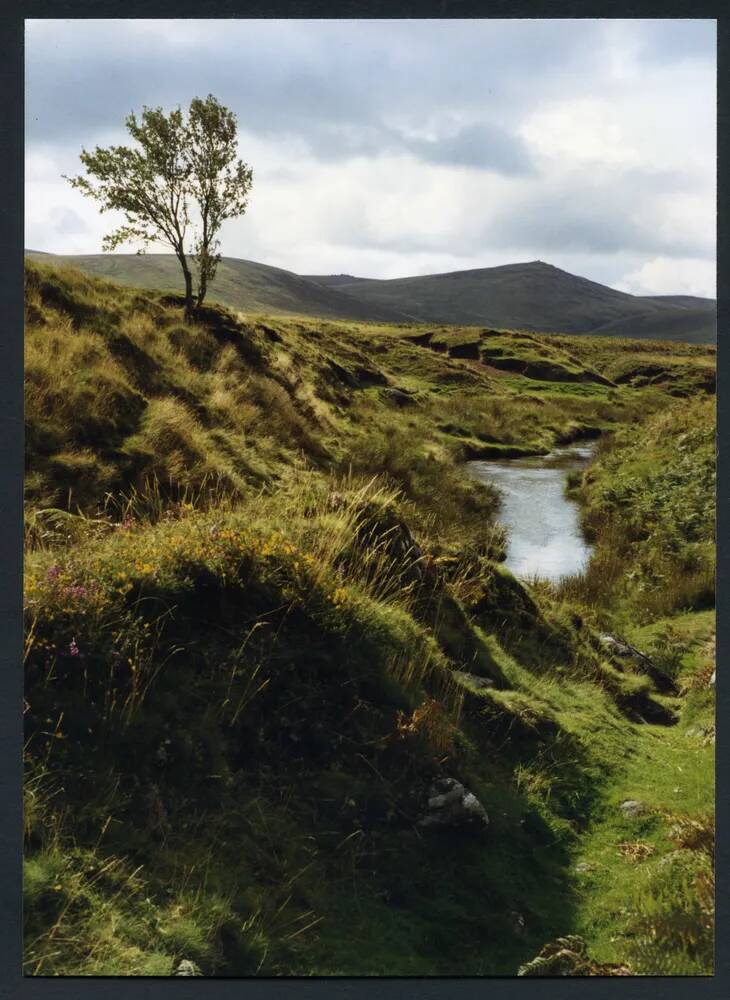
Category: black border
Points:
column 12, row 984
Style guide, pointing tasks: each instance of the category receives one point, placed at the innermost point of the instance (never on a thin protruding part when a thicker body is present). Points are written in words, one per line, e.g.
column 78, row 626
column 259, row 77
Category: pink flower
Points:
column 53, row 572
column 73, row 648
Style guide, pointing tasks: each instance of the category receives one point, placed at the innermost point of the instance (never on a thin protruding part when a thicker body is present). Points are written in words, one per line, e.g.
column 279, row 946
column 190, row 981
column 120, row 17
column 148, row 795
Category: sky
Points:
column 403, row 147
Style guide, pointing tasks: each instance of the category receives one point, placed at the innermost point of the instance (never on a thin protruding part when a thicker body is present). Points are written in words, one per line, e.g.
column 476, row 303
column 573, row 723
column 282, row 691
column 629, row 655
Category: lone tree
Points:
column 176, row 187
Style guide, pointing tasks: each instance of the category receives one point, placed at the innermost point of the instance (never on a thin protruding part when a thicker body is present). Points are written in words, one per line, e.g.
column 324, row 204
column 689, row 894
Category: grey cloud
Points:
column 363, row 73
column 668, row 40
column 482, row 146
column 571, row 217
column 485, row 146
column 339, row 86
column 562, row 225
column 620, row 214
column 288, row 77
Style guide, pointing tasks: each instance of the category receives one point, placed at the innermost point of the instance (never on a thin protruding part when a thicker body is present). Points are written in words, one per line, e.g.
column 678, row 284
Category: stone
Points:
column 452, row 805
column 614, row 645
column 631, row 808
column 187, row 968
column 625, row 651
column 622, row 650
column 473, row 680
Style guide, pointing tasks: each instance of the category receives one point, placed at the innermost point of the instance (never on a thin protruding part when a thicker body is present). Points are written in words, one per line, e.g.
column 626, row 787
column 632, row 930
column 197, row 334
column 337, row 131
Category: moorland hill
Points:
column 532, row 296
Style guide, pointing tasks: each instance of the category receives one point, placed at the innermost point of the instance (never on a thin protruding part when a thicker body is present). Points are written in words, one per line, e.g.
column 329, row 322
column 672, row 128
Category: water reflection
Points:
column 544, row 528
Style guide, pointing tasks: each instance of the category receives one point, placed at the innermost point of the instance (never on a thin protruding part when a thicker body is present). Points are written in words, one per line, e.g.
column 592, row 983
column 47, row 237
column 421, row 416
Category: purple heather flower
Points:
column 53, row 572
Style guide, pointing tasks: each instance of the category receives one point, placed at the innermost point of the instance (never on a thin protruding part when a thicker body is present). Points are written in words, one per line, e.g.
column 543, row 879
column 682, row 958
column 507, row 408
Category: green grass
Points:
column 256, row 577
column 648, row 502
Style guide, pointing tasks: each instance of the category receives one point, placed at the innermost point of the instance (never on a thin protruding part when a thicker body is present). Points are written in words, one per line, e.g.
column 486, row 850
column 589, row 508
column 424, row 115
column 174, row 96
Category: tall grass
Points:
column 648, row 504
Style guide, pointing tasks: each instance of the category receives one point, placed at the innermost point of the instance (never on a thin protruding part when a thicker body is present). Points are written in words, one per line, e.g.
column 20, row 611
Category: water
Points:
column 543, row 524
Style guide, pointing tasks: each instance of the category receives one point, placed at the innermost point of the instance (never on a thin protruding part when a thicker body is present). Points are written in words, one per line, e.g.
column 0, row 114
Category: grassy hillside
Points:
column 239, row 284
column 535, row 296
column 266, row 612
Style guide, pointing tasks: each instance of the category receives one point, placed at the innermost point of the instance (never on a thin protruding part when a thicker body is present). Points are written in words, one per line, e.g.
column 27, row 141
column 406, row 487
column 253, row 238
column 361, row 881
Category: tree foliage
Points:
column 176, row 186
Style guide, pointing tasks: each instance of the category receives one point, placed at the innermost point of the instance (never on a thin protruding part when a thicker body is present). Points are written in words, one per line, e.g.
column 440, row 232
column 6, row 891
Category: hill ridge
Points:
column 532, row 295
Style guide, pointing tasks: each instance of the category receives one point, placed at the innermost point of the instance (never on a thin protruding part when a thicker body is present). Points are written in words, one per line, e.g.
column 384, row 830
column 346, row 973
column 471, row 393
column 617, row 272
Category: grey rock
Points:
column 473, row 680
column 187, row 968
column 452, row 805
column 583, row 867
column 624, row 652
column 614, row 645
column 632, row 808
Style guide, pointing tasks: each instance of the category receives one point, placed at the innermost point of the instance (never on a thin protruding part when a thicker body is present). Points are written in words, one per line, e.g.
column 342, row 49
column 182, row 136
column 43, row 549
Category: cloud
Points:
column 66, row 221
column 387, row 147
column 670, row 276
column 484, row 146
column 605, row 211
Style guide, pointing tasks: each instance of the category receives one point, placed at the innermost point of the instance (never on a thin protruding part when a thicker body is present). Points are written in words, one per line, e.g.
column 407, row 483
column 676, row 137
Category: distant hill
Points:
column 532, row 296
column 241, row 284
column 535, row 296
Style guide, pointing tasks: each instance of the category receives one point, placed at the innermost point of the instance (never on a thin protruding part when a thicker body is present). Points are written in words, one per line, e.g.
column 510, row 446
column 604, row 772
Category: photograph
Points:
column 369, row 499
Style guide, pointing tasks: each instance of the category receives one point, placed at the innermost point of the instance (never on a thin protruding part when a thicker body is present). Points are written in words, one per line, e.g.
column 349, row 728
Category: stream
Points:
column 543, row 525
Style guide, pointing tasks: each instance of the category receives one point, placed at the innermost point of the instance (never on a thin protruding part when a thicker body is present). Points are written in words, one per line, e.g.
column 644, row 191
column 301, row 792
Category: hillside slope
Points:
column 535, row 296
column 267, row 625
column 239, row 284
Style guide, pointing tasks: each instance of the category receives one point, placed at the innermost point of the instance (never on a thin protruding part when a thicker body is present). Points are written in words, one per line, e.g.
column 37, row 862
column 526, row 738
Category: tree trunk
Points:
column 204, row 266
column 189, row 300
column 203, row 288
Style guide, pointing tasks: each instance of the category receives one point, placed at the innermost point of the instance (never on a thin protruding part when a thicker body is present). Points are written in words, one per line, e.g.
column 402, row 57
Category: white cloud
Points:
column 580, row 132
column 671, row 276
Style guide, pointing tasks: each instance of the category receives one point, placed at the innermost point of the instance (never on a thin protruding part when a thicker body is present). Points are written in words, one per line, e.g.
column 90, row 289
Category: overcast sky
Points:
column 390, row 148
